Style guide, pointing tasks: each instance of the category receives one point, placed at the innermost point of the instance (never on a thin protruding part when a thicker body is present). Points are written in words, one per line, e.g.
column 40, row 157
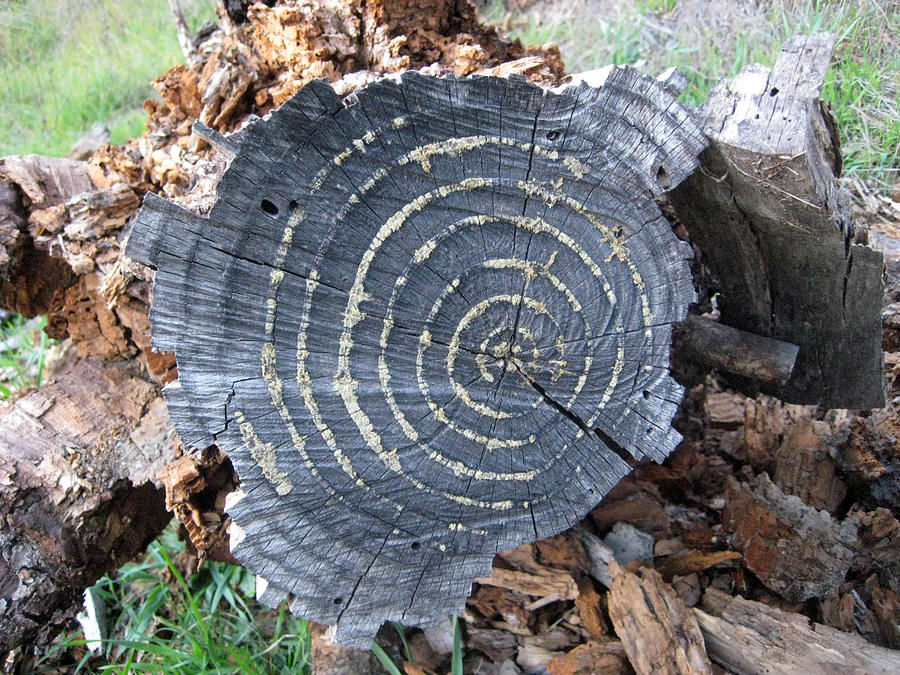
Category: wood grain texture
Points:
column 660, row 634
column 406, row 318
column 776, row 230
column 750, row 637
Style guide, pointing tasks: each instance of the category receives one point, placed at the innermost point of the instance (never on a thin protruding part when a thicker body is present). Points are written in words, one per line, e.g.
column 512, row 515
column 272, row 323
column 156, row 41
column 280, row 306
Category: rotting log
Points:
column 249, row 70
column 78, row 493
column 61, row 223
column 427, row 325
column 775, row 229
column 79, row 457
column 750, row 637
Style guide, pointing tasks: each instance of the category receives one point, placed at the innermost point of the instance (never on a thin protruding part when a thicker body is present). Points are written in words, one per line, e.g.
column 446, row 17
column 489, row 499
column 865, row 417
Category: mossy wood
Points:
column 428, row 324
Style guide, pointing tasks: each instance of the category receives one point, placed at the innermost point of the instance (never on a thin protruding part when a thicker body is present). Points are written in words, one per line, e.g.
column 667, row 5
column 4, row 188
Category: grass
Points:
column 68, row 64
column 456, row 654
column 710, row 40
column 23, row 353
column 167, row 622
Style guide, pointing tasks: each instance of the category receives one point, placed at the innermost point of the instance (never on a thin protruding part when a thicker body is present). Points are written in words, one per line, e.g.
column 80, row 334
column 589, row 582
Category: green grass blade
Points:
column 385, row 660
column 402, row 633
column 456, row 660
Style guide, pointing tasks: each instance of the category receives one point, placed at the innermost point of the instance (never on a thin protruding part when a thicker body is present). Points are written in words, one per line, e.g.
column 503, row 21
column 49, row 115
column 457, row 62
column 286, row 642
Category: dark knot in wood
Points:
column 426, row 326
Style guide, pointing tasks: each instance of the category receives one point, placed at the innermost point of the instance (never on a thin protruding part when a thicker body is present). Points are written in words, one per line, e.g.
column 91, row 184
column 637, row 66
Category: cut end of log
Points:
column 436, row 320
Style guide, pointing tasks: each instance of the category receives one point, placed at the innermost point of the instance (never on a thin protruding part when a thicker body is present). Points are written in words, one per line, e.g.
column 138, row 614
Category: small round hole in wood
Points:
column 268, row 207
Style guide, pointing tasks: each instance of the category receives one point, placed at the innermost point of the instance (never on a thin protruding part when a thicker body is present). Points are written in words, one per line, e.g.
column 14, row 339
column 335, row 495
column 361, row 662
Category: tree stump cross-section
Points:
column 427, row 324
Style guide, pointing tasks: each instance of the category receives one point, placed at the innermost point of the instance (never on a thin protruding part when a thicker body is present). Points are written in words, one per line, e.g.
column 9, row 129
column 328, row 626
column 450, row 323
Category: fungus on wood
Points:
column 428, row 324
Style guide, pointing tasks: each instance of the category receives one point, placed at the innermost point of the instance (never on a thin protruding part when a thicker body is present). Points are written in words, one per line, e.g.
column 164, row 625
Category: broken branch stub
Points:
column 406, row 317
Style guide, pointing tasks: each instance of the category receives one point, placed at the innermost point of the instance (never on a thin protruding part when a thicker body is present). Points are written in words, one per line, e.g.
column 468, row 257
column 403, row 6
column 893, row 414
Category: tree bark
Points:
column 78, row 491
column 776, row 229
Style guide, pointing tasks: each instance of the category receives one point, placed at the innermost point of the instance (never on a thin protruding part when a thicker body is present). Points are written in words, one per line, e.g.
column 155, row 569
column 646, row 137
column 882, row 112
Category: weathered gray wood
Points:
column 405, row 318
column 734, row 351
column 750, row 637
column 223, row 144
column 776, row 230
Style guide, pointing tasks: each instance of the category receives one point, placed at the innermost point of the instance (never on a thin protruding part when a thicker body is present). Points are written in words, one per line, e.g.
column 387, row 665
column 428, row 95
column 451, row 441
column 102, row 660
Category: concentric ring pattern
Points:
column 426, row 324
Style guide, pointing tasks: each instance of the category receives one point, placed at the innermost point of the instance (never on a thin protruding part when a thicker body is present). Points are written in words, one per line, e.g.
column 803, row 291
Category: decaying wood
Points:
column 659, row 633
column 795, row 549
column 729, row 350
column 78, row 492
column 775, row 229
column 548, row 587
column 330, row 659
column 60, row 221
column 196, row 487
column 750, row 637
column 430, row 258
column 591, row 658
column 56, row 218
column 804, row 467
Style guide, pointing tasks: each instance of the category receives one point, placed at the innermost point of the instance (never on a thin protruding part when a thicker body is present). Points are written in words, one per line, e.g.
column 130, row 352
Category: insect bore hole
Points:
column 415, row 546
column 554, row 135
column 339, row 601
column 646, row 394
column 268, row 207
column 773, row 91
column 662, row 178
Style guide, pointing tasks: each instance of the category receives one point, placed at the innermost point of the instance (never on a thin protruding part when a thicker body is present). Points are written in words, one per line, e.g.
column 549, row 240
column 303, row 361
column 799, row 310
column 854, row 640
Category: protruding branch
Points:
column 734, row 351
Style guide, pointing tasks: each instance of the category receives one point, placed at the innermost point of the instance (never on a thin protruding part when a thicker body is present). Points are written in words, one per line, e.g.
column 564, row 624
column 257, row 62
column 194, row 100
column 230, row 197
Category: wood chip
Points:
column 591, row 658
column 659, row 633
column 694, row 561
column 794, row 549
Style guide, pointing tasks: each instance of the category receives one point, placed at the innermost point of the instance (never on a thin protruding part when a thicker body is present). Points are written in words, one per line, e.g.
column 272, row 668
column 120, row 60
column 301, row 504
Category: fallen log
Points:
column 60, row 228
column 78, row 492
column 104, row 306
column 776, row 231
